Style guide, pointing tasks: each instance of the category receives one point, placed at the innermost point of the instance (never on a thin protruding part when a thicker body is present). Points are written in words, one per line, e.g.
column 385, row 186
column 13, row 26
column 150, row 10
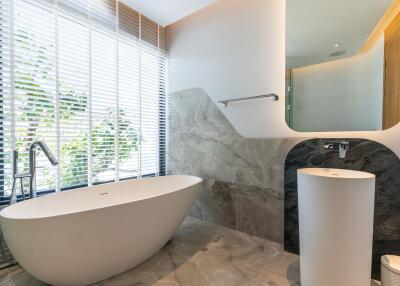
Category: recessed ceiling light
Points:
column 337, row 45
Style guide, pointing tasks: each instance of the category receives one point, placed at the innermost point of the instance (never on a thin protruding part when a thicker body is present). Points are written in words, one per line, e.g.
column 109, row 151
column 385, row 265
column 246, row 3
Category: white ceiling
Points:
column 166, row 12
column 313, row 27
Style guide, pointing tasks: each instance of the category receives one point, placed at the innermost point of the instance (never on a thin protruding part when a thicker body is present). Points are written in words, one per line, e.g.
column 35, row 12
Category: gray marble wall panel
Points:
column 243, row 178
column 364, row 155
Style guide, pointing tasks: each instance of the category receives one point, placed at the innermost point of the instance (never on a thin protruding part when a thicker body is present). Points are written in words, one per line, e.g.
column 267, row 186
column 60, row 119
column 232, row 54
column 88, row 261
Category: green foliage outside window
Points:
column 36, row 107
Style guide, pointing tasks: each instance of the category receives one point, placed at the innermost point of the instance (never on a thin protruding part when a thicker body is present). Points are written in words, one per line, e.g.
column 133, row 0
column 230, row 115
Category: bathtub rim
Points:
column 5, row 217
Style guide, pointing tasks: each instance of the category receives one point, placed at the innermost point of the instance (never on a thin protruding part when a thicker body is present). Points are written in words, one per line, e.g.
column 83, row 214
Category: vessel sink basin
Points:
column 336, row 173
column 336, row 213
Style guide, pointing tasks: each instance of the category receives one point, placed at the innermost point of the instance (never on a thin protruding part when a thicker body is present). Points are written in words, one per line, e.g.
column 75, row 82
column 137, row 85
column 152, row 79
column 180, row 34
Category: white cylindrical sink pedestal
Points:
column 336, row 214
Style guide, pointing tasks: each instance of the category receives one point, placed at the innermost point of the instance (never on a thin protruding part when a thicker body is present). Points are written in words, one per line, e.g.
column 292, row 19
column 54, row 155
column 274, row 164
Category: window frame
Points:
column 2, row 177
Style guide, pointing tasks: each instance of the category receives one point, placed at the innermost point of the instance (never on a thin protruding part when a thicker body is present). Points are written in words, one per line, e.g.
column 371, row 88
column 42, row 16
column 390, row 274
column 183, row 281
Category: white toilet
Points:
column 390, row 270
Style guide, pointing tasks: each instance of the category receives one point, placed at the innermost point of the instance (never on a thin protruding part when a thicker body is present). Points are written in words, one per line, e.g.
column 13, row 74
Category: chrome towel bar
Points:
column 225, row 102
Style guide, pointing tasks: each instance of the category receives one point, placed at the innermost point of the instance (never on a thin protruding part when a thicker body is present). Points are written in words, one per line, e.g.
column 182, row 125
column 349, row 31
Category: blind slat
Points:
column 81, row 76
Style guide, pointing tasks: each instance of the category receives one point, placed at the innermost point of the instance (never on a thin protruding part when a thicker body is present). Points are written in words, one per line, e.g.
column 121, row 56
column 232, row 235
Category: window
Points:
column 88, row 78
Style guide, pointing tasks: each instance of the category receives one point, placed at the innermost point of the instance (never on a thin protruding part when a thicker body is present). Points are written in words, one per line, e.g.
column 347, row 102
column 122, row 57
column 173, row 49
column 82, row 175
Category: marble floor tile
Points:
column 200, row 254
column 16, row 276
column 198, row 233
column 270, row 279
column 205, row 269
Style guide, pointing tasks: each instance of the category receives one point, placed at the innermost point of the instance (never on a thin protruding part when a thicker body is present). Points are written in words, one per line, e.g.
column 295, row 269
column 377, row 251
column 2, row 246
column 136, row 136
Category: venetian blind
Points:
column 89, row 79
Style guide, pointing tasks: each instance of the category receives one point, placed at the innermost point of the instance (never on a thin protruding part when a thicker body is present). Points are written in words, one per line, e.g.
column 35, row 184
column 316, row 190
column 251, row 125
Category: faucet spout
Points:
column 32, row 163
column 46, row 150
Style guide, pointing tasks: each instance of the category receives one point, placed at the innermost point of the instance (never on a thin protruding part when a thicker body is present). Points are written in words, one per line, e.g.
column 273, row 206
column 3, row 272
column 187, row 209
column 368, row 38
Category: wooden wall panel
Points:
column 391, row 102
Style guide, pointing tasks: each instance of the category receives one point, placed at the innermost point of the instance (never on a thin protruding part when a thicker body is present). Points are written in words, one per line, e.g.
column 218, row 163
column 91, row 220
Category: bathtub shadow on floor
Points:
column 201, row 253
column 176, row 258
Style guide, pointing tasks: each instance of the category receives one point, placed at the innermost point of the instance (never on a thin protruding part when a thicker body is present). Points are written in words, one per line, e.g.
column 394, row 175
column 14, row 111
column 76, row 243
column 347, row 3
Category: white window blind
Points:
column 89, row 79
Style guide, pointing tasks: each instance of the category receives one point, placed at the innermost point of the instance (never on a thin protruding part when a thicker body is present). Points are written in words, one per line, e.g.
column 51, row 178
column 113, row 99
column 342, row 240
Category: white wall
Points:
column 343, row 95
column 236, row 48
column 231, row 49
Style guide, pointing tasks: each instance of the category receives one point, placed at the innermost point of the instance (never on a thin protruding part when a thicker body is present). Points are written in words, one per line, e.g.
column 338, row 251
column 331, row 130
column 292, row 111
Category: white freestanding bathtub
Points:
column 86, row 235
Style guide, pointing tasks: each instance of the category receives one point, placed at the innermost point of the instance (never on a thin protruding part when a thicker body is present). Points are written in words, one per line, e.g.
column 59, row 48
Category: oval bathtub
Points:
column 86, row 235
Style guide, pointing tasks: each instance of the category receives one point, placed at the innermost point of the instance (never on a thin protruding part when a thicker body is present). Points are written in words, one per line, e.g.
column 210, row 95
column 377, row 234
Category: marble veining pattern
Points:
column 243, row 178
column 364, row 155
column 200, row 254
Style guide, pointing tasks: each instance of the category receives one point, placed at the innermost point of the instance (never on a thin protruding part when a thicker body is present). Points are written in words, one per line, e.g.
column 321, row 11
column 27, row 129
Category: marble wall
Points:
column 364, row 155
column 250, row 186
column 243, row 178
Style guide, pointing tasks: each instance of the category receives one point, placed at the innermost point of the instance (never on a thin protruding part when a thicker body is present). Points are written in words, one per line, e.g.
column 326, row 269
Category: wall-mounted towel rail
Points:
column 225, row 102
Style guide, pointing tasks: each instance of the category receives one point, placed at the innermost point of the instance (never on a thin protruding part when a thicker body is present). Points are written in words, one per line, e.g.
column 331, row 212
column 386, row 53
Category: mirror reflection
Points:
column 342, row 65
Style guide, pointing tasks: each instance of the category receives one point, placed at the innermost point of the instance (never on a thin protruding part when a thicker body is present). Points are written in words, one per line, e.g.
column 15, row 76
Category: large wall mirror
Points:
column 337, row 79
